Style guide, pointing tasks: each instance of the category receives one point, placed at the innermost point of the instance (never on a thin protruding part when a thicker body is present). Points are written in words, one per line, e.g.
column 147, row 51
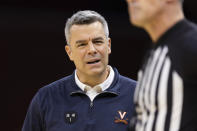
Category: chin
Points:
column 136, row 22
column 96, row 71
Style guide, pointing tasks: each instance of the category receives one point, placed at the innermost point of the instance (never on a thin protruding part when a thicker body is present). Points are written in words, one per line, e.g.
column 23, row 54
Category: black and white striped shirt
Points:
column 166, row 94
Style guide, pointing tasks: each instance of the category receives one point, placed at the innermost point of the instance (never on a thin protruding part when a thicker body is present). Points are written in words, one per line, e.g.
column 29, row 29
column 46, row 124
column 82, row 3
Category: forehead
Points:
column 86, row 31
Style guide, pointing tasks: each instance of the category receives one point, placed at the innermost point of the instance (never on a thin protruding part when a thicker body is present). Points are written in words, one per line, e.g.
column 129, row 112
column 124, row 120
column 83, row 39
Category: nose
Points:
column 91, row 48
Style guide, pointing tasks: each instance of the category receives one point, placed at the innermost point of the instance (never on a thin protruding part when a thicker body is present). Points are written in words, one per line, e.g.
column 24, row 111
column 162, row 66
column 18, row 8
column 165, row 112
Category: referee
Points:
column 165, row 98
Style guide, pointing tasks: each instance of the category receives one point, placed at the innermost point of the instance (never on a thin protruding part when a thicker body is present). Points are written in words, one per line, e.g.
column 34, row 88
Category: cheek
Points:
column 78, row 57
column 79, row 62
column 106, row 52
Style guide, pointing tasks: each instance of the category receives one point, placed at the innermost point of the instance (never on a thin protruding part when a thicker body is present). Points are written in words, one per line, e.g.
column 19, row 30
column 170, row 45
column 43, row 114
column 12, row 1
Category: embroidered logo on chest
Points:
column 70, row 117
column 121, row 118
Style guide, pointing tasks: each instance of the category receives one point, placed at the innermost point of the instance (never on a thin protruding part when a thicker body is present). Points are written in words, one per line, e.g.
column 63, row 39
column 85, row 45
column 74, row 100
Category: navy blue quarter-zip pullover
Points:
column 63, row 106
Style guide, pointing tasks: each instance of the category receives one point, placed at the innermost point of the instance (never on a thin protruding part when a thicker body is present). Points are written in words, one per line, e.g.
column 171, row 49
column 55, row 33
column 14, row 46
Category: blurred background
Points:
column 32, row 47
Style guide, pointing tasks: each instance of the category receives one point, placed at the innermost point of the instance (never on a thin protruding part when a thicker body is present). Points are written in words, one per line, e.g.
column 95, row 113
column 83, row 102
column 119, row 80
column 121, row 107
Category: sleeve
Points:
column 33, row 120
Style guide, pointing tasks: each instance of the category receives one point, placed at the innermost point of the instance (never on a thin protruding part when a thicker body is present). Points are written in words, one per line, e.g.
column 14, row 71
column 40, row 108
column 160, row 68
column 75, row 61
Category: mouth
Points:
column 93, row 62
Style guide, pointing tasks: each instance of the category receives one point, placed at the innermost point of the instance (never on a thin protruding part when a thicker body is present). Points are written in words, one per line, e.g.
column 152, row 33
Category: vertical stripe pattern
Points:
column 178, row 99
column 162, row 96
column 151, row 95
column 152, row 106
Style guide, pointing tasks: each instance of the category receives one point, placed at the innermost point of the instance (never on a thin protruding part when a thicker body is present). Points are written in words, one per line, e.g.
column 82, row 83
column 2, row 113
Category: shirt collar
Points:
column 104, row 85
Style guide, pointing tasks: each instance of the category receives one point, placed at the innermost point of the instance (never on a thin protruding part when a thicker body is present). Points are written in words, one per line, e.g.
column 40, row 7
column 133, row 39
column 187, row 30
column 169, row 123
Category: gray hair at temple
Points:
column 82, row 18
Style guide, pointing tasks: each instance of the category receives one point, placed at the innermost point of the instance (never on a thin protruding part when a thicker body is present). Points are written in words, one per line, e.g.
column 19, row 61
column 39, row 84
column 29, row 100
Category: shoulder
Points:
column 126, row 87
column 188, row 39
column 183, row 52
column 123, row 80
column 185, row 39
column 57, row 84
column 54, row 88
column 127, row 82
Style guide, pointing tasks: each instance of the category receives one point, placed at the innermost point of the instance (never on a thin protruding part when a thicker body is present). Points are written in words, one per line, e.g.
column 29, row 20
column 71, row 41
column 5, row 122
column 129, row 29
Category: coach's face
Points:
column 89, row 49
column 143, row 12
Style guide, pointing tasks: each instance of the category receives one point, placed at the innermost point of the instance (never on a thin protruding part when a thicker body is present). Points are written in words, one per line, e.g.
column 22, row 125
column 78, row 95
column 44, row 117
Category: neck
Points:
column 157, row 27
column 96, row 79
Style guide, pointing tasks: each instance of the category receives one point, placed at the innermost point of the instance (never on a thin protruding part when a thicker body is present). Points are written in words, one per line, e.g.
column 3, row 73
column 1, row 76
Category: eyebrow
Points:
column 80, row 41
column 98, row 38
column 95, row 39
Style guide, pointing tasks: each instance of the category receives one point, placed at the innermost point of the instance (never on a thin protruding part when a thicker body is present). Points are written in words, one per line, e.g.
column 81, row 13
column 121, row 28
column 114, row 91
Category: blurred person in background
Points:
column 165, row 97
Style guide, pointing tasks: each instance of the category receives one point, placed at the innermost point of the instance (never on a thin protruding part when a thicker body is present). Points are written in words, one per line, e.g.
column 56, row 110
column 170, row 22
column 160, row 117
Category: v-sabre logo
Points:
column 121, row 118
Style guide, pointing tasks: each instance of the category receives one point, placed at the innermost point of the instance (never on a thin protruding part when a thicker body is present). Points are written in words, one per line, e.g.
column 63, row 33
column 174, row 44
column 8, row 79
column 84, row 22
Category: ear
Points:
column 109, row 45
column 69, row 51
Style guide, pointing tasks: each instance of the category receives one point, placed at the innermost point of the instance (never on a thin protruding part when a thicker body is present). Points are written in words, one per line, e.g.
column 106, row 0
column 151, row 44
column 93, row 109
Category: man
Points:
column 95, row 97
column 165, row 97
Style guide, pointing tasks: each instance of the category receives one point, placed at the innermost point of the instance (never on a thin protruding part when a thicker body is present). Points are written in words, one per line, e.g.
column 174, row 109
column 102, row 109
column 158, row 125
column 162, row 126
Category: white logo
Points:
column 122, row 115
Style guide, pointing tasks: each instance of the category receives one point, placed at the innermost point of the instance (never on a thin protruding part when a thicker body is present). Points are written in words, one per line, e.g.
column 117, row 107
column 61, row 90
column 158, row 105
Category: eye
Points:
column 98, row 42
column 81, row 44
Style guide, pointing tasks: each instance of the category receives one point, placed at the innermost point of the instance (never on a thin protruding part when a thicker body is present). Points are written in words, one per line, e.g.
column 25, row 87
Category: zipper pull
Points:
column 91, row 104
